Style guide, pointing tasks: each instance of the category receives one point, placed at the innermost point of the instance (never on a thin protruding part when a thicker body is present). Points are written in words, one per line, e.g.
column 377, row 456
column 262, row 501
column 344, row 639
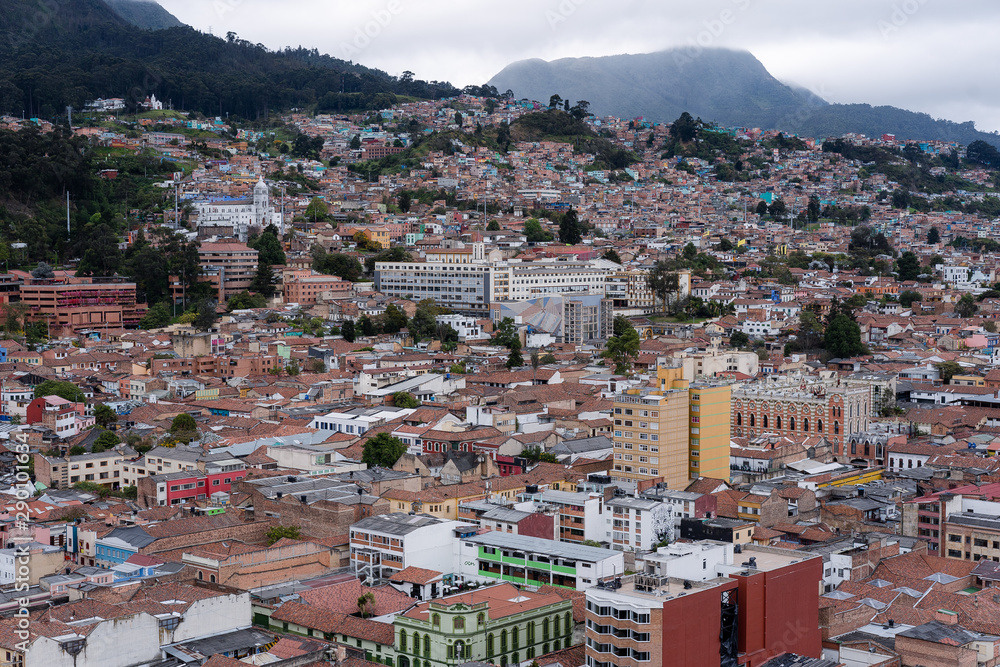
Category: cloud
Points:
column 923, row 55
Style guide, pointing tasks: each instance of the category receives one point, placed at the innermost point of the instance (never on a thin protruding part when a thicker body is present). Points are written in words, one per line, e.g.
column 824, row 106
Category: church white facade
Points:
column 241, row 214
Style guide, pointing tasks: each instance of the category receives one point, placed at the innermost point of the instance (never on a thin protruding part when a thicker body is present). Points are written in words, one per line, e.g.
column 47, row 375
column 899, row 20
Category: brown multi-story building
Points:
column 802, row 406
column 72, row 307
column 304, row 287
column 219, row 366
column 230, row 267
column 959, row 523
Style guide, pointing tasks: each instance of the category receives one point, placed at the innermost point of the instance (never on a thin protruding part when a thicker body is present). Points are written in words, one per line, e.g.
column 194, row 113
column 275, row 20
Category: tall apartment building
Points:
column 710, row 406
column 229, row 267
column 651, row 436
column 802, row 406
column 82, row 304
column 680, row 432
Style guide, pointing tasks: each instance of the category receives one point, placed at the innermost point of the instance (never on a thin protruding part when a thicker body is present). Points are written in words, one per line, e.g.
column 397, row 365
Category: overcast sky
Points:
column 934, row 56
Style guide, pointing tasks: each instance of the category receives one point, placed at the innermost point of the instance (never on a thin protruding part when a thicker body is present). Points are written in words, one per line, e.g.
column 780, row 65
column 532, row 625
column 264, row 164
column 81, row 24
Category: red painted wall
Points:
column 538, row 525
column 691, row 626
column 779, row 612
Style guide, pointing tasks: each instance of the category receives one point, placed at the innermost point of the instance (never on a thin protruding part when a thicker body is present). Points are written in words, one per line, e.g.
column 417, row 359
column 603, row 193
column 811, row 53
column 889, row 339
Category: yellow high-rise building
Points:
column 651, row 436
column 678, row 432
column 710, row 418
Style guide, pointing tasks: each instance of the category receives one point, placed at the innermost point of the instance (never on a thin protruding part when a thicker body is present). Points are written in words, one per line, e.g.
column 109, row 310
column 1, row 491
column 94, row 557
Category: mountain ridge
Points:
column 78, row 50
column 729, row 87
column 146, row 14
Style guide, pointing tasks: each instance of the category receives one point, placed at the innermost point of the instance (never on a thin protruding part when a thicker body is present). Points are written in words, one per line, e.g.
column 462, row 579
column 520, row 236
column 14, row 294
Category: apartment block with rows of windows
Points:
column 959, row 523
column 651, row 437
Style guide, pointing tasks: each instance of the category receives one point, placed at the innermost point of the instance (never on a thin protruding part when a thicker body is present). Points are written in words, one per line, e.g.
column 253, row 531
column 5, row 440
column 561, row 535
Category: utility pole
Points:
column 177, row 193
column 67, row 215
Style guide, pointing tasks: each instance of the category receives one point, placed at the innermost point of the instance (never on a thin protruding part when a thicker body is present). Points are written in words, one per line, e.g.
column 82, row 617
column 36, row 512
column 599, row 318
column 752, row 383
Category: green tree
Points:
column 843, row 337
column 157, row 317
column 664, row 282
column 506, row 334
column 493, row 226
column 277, row 533
column 405, row 201
column 268, row 247
column 725, row 245
column 739, row 340
column 813, row 209
column 612, row 256
column 908, row 266
column 966, row 306
column 570, row 228
column 206, row 316
column 76, row 450
column 317, row 210
column 424, row 322
column 778, row 209
column 106, row 440
column 907, row 298
column 346, row 267
column 394, row 254
column 534, row 233
column 394, row 319
column 66, row 390
column 620, row 325
column 183, row 424
column 347, row 330
column 368, row 327
column 245, row 300
column 104, row 416
column 515, row 360
column 948, row 370
column 263, row 281
column 355, row 142
column 382, row 450
column 404, row 399
column 933, row 236
column 538, row 455
column 623, row 350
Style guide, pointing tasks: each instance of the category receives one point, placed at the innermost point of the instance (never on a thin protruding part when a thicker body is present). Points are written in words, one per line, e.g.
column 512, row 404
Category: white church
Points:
column 241, row 214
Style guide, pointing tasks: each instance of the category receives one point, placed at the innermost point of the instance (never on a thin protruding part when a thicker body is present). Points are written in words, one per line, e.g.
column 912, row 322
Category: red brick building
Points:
column 793, row 408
